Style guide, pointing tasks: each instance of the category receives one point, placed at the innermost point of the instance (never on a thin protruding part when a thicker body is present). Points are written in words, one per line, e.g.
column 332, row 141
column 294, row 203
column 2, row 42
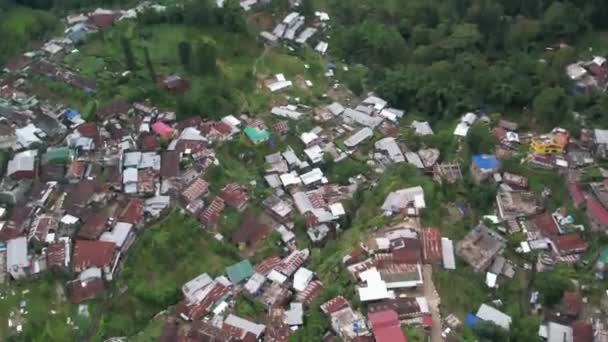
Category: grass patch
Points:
column 165, row 257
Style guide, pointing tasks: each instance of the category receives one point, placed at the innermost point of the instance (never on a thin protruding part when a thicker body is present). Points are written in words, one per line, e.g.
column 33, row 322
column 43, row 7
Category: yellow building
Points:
column 553, row 143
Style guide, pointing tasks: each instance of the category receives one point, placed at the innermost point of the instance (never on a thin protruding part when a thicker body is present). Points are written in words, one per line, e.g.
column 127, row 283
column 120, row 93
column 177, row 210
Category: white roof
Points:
column 337, row 209
column 301, row 278
column 231, row 120
column 302, row 202
column 22, row 161
column 400, row 199
column 290, row 18
column 27, row 135
column 559, row 333
column 376, row 288
column 290, row 179
column 315, row 175
column 599, row 60
column 414, row 159
column 131, row 158
column 469, row 118
column 358, row 137
column 89, row 273
column 314, row 153
column 294, row 316
column 491, row 279
column 254, row 283
column 377, row 102
column 306, row 34
column 118, row 235
column 276, row 86
column 245, row 325
column 575, row 71
column 601, row 136
column 195, row 285
column 462, row 129
column 335, row 108
column 286, row 112
column 308, row 137
column 422, row 128
column 286, row 234
column 277, row 277
column 383, row 243
column 129, row 175
column 69, row 219
column 322, row 47
column 447, row 250
column 488, row 313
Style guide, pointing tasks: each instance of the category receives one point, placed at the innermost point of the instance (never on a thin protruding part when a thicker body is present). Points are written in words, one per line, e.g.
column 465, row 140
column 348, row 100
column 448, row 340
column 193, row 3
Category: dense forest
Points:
column 440, row 58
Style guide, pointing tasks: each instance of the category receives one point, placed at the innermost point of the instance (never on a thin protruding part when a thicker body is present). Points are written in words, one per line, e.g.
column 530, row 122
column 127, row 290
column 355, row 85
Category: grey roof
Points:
column 22, row 161
column 245, row 325
column 390, row 146
column 149, row 160
column 336, row 108
column 358, row 137
column 16, row 253
column 400, row 199
column 131, row 159
column 302, row 202
column 295, row 314
column 422, row 127
column 118, row 235
column 601, row 136
column 273, row 180
column 488, row 313
column 306, row 34
column 286, row 112
column 447, row 251
column 362, row 118
column 254, row 284
column 129, row 175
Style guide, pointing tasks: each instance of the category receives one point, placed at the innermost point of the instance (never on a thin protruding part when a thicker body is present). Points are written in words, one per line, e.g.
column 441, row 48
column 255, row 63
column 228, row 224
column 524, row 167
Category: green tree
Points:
column 480, row 140
column 205, row 57
column 552, row 106
column 127, row 50
column 551, row 285
column 184, row 51
column 488, row 331
column 149, row 65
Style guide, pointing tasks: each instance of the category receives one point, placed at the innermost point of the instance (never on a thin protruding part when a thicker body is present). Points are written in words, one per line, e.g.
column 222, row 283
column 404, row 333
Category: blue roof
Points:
column 485, row 161
column 70, row 114
column 470, row 320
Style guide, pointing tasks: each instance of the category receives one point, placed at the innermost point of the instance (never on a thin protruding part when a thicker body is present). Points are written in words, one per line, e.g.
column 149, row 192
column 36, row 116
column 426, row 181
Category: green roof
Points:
column 239, row 271
column 604, row 256
column 256, row 135
column 58, row 154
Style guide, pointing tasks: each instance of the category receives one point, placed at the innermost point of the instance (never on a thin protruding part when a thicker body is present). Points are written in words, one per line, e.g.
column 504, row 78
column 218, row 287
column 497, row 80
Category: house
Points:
column 314, row 153
column 358, row 137
column 483, row 167
column 431, row 245
column 408, row 198
column 23, row 165
column 94, row 226
column 58, row 254
column 375, row 288
column 569, row 244
column 121, row 235
column 277, row 208
column 347, row 323
column 422, row 128
column 239, row 272
column 93, row 254
column 597, row 215
column 559, row 333
column 553, row 143
column 17, row 260
column 295, row 315
column 571, row 304
column 195, row 190
column 256, row 135
column 479, row 247
column 447, row 249
column 59, row 155
column 386, row 327
column 169, row 164
column 210, row 216
column 250, row 232
column 391, row 149
column 488, row 313
column 240, row 328
column 302, row 278
column 234, row 195
column 601, row 142
column 163, row 130
column 363, row 119
column 515, row 204
column 88, row 285
column 133, row 212
column 406, row 308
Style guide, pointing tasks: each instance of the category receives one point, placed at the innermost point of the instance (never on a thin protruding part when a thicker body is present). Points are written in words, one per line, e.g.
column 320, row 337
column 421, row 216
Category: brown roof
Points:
column 93, row 253
column 334, row 304
column 169, row 164
column 133, row 212
column 195, row 190
column 572, row 303
column 431, row 239
column 403, row 306
column 265, row 266
column 113, row 109
column 582, row 331
column 210, row 216
column 93, row 227
column 569, row 243
column 251, row 231
column 104, row 21
column 546, row 224
column 85, row 290
column 407, row 251
column 149, row 142
column 90, row 130
column 55, row 254
column 235, row 195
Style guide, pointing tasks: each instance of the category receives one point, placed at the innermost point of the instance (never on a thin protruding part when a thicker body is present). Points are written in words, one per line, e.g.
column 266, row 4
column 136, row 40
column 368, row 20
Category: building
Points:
column 357, row 138
column 386, row 327
column 391, row 149
column 553, row 143
column 17, row 260
column 256, row 135
column 23, row 165
column 195, row 190
column 488, row 313
column 515, row 204
column 479, row 247
column 235, row 196
column 93, row 254
column 431, row 245
column 483, row 167
column 239, row 272
column 597, row 215
column 408, row 198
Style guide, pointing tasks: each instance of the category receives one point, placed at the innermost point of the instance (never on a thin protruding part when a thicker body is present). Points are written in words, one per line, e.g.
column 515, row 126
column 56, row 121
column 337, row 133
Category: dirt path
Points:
column 433, row 299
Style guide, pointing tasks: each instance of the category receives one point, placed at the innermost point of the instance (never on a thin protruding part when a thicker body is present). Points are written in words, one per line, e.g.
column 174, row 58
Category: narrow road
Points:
column 433, row 299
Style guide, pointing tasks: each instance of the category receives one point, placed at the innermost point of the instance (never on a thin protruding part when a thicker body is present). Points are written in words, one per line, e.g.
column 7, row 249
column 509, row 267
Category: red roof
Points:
column 386, row 327
column 223, row 128
column 93, row 227
column 196, row 189
column 582, row 331
column 546, row 224
column 405, row 251
column 149, row 143
column 310, row 292
column 85, row 290
column 569, row 243
column 572, row 303
column 210, row 216
column 577, row 195
column 599, row 213
column 104, row 20
column 93, row 253
column 431, row 245
column 55, row 254
column 265, row 266
column 335, row 304
column 133, row 212
column 234, row 195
